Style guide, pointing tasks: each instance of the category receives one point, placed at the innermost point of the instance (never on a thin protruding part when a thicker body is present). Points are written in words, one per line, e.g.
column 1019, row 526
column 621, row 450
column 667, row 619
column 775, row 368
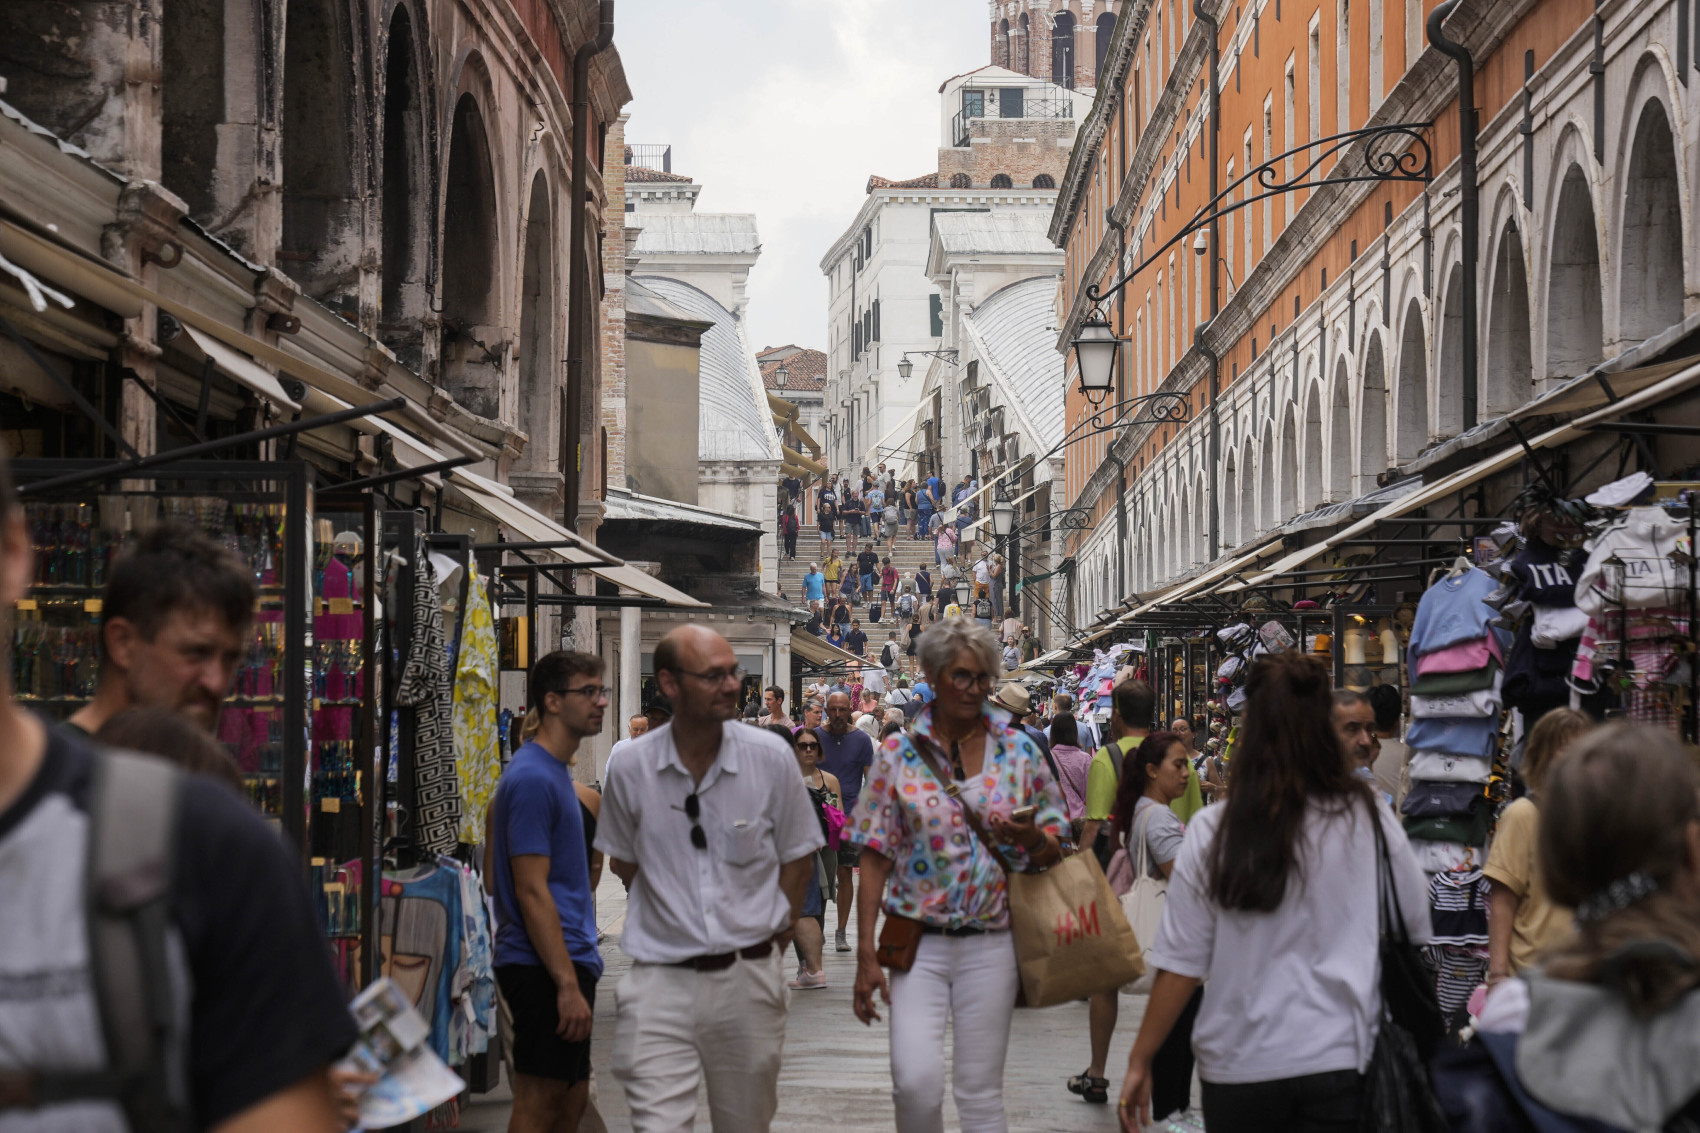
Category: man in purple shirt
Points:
column 847, row 753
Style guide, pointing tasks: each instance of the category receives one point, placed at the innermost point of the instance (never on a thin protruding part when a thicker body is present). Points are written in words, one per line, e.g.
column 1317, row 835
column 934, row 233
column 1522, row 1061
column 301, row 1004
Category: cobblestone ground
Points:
column 836, row 1072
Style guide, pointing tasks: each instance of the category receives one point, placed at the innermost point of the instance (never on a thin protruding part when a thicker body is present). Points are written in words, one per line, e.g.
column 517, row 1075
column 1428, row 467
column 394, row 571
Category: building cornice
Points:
column 950, row 198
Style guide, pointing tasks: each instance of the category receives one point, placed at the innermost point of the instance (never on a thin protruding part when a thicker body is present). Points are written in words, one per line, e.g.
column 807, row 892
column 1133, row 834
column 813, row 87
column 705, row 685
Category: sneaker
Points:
column 1185, row 1122
column 808, row 981
column 841, row 940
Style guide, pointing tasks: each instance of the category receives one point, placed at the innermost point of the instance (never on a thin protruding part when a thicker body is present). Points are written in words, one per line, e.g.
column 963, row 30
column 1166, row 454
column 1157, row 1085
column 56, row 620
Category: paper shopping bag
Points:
column 1072, row 939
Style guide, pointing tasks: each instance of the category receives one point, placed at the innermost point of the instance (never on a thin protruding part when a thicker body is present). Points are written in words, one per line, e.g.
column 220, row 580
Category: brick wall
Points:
column 1023, row 148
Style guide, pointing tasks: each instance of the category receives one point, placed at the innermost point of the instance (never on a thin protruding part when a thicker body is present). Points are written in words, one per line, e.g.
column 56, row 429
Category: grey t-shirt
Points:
column 1163, row 833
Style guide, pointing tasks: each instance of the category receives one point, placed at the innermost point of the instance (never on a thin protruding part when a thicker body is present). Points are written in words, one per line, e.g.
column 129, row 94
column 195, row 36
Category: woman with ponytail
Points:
column 1272, row 906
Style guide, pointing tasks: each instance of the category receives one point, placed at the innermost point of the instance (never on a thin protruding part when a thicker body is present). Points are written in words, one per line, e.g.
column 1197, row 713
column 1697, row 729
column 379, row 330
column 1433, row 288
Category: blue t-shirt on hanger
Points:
column 1452, row 611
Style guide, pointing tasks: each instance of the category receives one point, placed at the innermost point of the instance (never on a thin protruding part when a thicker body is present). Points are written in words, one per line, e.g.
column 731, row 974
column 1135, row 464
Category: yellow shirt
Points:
column 1539, row 924
column 832, row 568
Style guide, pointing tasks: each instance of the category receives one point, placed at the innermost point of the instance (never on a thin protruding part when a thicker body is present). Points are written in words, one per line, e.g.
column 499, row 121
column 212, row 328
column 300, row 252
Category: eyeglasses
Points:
column 808, row 747
column 693, row 811
column 590, row 692
column 963, row 680
column 715, row 676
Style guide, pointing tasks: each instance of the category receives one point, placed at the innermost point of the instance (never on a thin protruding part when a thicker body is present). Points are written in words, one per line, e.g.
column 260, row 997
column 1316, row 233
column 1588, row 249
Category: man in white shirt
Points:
column 709, row 825
column 873, row 679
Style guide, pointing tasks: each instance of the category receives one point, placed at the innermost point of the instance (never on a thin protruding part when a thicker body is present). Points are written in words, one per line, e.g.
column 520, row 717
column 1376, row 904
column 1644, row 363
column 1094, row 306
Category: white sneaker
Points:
column 841, row 940
column 808, row 981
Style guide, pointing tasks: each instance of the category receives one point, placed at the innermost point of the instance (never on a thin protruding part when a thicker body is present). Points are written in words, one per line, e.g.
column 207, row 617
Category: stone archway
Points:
column 1650, row 280
column 1506, row 380
column 405, row 287
column 471, row 373
column 1310, row 446
column 1372, row 417
column 322, row 232
column 1340, row 435
column 1410, row 421
column 1575, row 339
column 537, row 400
column 1449, row 377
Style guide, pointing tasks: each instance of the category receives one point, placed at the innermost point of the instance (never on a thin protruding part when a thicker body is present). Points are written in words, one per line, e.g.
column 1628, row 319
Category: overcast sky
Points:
column 782, row 108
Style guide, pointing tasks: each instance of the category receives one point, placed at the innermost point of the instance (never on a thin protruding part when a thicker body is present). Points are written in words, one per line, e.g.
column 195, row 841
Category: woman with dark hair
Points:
column 1073, row 765
column 811, row 922
column 1272, row 905
column 173, row 738
column 1605, row 1031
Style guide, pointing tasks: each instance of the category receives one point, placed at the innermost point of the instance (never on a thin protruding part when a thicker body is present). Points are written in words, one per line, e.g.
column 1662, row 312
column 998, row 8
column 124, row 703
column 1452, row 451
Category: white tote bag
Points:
column 1143, row 905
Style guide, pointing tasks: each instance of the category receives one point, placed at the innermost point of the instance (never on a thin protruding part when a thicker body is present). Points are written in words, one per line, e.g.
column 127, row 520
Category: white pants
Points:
column 675, row 1027
column 970, row 980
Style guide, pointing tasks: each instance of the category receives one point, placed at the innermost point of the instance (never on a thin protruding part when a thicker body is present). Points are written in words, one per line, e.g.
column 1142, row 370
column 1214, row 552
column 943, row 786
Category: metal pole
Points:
column 1467, row 192
column 1200, row 9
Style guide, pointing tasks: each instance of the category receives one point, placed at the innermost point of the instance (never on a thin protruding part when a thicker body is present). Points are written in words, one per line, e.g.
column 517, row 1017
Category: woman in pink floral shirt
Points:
column 910, row 826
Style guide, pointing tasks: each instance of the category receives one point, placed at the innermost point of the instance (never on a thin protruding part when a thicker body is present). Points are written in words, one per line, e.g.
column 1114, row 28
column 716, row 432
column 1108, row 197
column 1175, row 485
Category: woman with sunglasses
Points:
column 911, row 824
column 811, row 924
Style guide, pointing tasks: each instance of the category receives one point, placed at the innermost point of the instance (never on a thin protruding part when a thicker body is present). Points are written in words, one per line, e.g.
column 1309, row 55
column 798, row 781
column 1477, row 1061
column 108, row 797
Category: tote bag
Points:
column 1143, row 904
column 1071, row 938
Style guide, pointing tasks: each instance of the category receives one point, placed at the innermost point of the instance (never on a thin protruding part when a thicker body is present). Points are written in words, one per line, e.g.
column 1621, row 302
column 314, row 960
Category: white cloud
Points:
column 784, row 107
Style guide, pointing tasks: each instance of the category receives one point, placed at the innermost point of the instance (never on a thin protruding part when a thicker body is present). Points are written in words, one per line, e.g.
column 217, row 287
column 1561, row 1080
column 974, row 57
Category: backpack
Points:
column 888, row 655
column 128, row 878
column 1104, row 846
column 906, row 605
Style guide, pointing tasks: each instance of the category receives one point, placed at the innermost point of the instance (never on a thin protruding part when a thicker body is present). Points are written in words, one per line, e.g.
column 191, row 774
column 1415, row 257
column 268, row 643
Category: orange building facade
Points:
column 1333, row 334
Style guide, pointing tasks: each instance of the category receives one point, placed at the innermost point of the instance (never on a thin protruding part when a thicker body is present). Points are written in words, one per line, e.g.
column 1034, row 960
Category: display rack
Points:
column 263, row 512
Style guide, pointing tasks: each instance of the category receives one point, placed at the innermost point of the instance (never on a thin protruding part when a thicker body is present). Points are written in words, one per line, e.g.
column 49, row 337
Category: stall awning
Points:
column 237, row 366
column 820, row 653
column 1674, row 378
column 629, row 577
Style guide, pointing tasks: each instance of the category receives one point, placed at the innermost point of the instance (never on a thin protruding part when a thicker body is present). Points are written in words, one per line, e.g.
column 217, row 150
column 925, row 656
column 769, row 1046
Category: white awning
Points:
column 820, row 652
column 237, row 366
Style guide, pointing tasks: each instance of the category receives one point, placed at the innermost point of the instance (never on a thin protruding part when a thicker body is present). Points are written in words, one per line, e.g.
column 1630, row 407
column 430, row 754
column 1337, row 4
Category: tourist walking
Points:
column 913, row 833
column 1603, row 1031
column 847, row 752
column 1289, row 1015
column 1073, row 763
column 773, row 699
column 789, row 528
column 1523, row 922
column 546, row 960
column 828, row 519
column 811, row 925
column 709, row 825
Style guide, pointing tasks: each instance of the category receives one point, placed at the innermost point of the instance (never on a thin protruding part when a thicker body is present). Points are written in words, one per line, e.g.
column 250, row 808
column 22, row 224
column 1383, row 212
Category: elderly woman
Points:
column 910, row 824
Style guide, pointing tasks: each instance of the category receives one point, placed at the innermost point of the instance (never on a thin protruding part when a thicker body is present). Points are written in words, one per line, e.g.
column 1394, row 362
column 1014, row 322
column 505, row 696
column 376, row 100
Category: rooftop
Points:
column 1019, row 233
column 805, row 371
column 925, row 181
column 643, row 173
column 702, row 234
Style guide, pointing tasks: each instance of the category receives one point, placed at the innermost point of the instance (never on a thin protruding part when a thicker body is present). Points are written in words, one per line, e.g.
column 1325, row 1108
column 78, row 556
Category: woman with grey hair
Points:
column 945, row 886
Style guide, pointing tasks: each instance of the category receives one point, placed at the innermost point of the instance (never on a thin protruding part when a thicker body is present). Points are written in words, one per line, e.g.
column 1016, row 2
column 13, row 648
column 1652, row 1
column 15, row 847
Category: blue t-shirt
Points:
column 536, row 811
column 923, row 692
column 814, row 586
column 847, row 758
column 1453, row 611
column 1454, row 735
column 934, row 490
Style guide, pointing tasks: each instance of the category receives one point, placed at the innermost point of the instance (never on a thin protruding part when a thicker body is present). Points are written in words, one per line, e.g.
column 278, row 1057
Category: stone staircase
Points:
column 907, row 556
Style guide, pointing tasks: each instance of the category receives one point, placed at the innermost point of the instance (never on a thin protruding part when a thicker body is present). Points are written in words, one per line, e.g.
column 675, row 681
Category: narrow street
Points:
column 836, row 1074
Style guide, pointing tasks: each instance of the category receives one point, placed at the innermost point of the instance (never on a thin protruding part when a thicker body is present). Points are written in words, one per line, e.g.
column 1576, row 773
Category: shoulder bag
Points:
column 1398, row 1092
column 1104, row 845
column 1143, row 901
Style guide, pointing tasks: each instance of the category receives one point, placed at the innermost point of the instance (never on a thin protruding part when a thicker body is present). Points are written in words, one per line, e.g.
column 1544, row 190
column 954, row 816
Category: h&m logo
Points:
column 1072, row 926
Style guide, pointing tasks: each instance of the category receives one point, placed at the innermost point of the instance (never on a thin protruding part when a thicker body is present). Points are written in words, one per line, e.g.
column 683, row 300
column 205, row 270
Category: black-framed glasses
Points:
column 693, row 811
column 715, row 676
column 963, row 680
column 590, row 692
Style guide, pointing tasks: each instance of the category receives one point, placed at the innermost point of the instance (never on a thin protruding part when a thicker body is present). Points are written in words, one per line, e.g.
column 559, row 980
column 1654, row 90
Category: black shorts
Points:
column 538, row 1050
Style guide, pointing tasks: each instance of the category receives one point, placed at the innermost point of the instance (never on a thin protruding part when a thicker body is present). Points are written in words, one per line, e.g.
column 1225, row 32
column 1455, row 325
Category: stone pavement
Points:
column 836, row 1071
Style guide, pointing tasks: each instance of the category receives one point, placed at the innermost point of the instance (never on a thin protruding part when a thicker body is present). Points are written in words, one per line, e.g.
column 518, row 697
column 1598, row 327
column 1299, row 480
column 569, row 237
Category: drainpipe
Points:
column 1121, row 524
column 1200, row 10
column 578, row 259
column 1467, row 191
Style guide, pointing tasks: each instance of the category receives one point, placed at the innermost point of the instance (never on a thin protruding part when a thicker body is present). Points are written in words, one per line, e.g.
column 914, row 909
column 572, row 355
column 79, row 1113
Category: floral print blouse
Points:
column 942, row 874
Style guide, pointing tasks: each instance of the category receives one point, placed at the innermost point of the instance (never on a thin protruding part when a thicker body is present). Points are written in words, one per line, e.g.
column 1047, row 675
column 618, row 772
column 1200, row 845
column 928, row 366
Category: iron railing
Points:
column 658, row 158
column 991, row 106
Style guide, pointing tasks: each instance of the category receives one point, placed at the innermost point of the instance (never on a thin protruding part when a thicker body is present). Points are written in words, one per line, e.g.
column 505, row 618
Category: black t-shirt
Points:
column 866, row 562
column 856, row 642
column 266, row 1008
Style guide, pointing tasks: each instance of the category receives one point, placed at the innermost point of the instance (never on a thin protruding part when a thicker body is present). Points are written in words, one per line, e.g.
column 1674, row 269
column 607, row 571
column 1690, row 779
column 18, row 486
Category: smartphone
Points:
column 1023, row 814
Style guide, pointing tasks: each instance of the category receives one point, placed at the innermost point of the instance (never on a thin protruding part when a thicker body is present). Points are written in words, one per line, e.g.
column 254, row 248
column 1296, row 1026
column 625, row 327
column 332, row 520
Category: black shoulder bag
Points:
column 1398, row 1092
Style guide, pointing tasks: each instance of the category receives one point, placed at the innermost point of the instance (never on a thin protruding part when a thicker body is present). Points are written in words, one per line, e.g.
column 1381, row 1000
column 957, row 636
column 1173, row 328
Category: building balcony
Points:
column 1008, row 104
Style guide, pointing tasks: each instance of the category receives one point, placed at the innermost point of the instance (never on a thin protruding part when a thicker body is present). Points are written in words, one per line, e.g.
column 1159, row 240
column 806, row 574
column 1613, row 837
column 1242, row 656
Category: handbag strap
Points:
column 1142, row 868
column 1391, row 921
column 932, row 757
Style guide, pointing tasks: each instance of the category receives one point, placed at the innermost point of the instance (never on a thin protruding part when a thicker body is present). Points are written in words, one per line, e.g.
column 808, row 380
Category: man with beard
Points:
column 174, row 627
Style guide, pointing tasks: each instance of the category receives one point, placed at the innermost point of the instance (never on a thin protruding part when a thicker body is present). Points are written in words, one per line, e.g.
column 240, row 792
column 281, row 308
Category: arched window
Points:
column 1372, row 418
column 1106, row 31
column 321, row 208
column 537, row 399
column 1026, row 56
column 1651, row 291
column 402, row 297
column 1575, row 339
column 1002, row 181
column 1505, row 381
column 1449, row 376
column 1001, row 47
column 960, row 181
column 469, row 278
column 1044, row 181
column 1062, row 50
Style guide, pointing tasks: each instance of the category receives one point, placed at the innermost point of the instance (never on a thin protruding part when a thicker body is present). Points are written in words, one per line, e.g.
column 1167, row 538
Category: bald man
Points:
column 708, row 823
column 846, row 753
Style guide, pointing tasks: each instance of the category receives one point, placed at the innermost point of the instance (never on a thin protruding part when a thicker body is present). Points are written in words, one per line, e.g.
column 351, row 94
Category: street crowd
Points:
column 1276, row 901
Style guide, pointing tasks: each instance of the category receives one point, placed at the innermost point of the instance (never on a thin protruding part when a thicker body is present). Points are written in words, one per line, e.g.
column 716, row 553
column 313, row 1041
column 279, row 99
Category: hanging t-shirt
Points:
column 536, row 811
column 1453, row 610
column 1440, row 767
column 422, row 943
column 1642, row 543
column 1483, row 702
column 1456, row 735
column 1546, row 574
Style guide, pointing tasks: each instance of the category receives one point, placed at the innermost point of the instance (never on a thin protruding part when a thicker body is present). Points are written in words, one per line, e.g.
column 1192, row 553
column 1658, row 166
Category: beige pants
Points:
column 675, row 1027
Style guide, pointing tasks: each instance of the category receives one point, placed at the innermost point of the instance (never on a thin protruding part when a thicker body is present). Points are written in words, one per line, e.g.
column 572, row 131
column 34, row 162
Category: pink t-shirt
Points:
column 1465, row 657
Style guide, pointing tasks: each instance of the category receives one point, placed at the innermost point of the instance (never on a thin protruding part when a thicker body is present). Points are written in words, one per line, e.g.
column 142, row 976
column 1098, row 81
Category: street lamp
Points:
column 1095, row 349
column 781, row 376
column 1003, row 517
column 905, row 367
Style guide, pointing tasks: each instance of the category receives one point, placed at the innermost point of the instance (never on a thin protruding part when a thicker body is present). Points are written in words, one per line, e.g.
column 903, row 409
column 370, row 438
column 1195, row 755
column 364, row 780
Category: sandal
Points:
column 1094, row 1090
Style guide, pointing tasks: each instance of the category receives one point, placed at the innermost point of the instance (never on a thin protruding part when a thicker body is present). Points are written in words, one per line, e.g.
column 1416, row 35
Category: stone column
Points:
column 631, row 666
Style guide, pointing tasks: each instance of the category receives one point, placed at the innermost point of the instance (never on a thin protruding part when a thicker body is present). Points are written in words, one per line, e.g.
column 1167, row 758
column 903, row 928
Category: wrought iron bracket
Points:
column 1396, row 151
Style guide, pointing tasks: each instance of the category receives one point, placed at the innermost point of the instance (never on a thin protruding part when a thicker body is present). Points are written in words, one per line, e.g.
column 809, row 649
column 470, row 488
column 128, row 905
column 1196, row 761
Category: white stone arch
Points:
column 1200, row 508
column 1411, row 384
column 1372, row 410
column 1572, row 293
column 1446, row 391
column 1506, row 345
column 1285, row 502
column 1230, row 498
column 1650, row 263
column 1338, row 406
column 1250, row 478
column 1311, row 452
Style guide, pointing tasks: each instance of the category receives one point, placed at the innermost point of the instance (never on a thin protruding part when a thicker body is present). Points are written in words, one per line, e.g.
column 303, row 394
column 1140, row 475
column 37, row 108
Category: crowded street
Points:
column 880, row 566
